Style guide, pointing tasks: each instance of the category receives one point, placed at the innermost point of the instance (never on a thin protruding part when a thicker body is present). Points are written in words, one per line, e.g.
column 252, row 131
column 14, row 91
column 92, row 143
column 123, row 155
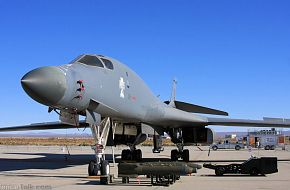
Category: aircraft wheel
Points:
column 137, row 155
column 174, row 155
column 272, row 147
column 185, row 155
column 126, row 155
column 105, row 168
column 267, row 147
column 92, row 168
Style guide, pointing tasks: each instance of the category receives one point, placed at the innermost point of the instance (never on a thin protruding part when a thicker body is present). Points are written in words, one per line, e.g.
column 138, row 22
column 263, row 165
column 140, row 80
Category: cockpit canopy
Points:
column 94, row 60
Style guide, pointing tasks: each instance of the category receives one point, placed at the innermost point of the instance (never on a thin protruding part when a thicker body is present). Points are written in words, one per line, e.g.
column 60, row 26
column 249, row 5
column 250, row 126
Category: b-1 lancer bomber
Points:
column 119, row 108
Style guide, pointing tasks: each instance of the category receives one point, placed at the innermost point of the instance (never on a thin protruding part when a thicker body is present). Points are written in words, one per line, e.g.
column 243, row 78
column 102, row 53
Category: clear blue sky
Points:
column 231, row 55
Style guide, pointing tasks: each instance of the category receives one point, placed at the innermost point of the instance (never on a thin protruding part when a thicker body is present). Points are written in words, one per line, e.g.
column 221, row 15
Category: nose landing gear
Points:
column 99, row 166
column 100, row 130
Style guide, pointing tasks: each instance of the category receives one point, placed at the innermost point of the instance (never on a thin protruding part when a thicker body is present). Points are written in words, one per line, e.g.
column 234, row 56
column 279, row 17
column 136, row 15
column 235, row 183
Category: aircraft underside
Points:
column 131, row 134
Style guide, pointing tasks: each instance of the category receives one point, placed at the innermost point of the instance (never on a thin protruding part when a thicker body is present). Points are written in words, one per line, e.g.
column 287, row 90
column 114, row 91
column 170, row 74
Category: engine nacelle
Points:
column 200, row 135
column 192, row 135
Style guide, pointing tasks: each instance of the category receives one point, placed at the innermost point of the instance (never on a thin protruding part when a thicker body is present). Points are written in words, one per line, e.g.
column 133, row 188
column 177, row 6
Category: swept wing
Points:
column 249, row 123
column 43, row 126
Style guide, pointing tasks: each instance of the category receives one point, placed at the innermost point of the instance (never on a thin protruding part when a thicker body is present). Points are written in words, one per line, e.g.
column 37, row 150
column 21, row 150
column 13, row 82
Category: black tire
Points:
column 126, row 155
column 174, row 155
column 137, row 155
column 254, row 172
column 185, row 155
column 92, row 169
column 272, row 147
column 214, row 148
column 267, row 147
column 237, row 147
column 105, row 168
column 219, row 171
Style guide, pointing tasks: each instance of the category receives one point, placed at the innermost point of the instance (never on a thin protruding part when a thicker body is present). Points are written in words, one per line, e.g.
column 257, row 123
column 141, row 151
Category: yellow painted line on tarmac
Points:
column 94, row 177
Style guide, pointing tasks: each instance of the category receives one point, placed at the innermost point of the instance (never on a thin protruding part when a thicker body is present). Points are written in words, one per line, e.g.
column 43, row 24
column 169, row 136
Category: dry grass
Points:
column 46, row 141
column 165, row 142
column 60, row 141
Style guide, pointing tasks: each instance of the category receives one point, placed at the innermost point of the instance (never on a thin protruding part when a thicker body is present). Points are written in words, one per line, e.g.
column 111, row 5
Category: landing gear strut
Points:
column 157, row 143
column 180, row 153
column 100, row 132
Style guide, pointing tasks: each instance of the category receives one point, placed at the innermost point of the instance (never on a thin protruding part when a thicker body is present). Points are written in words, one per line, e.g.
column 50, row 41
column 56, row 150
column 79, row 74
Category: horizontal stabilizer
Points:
column 197, row 109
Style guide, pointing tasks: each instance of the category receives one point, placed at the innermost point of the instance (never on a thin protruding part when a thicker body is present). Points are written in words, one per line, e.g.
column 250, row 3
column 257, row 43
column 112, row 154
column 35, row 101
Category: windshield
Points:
column 108, row 63
column 91, row 60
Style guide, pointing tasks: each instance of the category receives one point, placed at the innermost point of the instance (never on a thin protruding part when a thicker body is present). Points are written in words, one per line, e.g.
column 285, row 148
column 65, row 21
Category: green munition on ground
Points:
column 156, row 169
column 164, row 173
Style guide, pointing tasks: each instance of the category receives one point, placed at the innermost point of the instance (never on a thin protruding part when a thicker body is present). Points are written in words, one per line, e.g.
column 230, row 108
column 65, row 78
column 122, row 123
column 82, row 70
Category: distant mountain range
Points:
column 88, row 135
column 243, row 134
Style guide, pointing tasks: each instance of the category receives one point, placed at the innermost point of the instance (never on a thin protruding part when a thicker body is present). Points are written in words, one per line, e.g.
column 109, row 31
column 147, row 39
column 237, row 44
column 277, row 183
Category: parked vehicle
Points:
column 227, row 145
column 253, row 166
column 267, row 139
column 268, row 143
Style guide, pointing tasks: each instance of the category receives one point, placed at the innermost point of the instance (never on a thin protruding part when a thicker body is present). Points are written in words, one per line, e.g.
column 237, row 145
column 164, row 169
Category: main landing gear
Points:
column 132, row 155
column 180, row 153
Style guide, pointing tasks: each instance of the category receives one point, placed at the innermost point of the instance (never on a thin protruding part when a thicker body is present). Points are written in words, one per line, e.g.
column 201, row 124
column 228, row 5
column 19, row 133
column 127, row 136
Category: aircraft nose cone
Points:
column 45, row 85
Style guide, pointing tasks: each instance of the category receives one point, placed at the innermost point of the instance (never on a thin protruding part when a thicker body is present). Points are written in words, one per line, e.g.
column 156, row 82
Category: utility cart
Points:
column 253, row 166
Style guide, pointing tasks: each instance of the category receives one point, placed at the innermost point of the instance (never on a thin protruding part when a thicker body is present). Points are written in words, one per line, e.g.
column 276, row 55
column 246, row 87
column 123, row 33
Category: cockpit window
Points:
column 108, row 63
column 75, row 59
column 91, row 60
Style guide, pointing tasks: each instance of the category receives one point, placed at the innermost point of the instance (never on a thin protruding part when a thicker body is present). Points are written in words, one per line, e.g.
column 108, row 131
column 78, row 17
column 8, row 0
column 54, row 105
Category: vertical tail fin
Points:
column 173, row 94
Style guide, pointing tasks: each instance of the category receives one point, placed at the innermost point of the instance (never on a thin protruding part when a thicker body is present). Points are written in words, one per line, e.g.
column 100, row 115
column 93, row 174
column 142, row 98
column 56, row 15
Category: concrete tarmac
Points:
column 49, row 167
